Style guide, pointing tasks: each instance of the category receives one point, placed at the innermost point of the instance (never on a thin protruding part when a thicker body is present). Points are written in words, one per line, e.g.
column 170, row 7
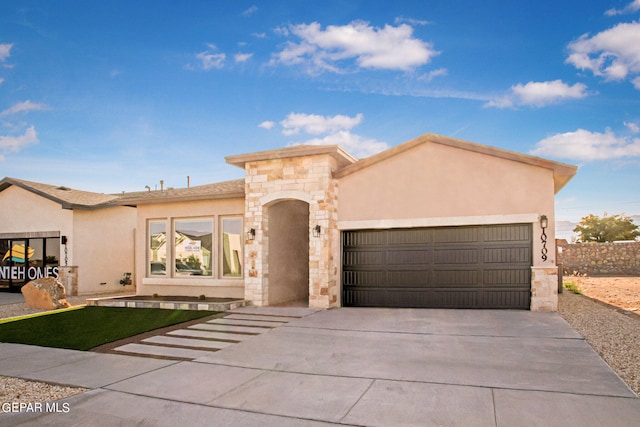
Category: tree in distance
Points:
column 612, row 228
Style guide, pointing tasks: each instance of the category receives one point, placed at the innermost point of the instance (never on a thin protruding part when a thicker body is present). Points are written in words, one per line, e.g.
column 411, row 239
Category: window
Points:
column 191, row 250
column 26, row 259
column 193, row 247
column 157, row 247
column 232, row 244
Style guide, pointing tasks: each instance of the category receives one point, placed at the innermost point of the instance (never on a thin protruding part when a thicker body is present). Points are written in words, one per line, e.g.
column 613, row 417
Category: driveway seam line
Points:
column 579, row 338
column 415, row 381
column 206, row 405
column 358, row 400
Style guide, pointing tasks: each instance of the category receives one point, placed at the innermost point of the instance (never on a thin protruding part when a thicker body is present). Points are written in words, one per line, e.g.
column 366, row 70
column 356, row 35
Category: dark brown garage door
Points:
column 441, row 267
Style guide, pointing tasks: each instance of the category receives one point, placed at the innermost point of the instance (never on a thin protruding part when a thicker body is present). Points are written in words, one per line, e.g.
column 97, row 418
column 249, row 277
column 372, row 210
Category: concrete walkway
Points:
column 374, row 367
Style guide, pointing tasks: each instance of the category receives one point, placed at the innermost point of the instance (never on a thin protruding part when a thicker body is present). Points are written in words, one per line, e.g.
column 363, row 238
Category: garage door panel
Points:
column 452, row 298
column 455, row 277
column 511, row 233
column 365, row 238
column 408, row 278
column 456, row 235
column 410, row 256
column 510, row 255
column 362, row 258
column 456, row 256
column 498, row 298
column 410, row 236
column 464, row 267
column 507, row 277
column 365, row 278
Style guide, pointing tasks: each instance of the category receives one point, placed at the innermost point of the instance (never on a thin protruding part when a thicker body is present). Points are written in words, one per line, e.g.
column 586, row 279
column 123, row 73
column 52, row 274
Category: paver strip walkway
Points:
column 203, row 338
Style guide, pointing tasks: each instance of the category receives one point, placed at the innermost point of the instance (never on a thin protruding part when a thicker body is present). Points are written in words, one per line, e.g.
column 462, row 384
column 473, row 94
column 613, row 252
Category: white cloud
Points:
column 329, row 130
column 267, row 124
column 12, row 144
column 632, row 7
column 5, row 51
column 1, row 80
column 20, row 107
column 433, row 74
column 412, row 21
column 539, row 94
column 390, row 48
column 584, row 145
column 209, row 61
column 356, row 145
column 315, row 124
column 633, row 127
column 253, row 9
column 242, row 57
column 613, row 54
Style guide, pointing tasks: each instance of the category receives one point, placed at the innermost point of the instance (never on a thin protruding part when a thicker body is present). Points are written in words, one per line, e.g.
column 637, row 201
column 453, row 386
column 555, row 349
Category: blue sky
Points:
column 112, row 96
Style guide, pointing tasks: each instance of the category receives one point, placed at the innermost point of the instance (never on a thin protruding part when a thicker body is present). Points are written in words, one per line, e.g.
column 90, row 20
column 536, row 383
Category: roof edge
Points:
column 174, row 199
column 343, row 158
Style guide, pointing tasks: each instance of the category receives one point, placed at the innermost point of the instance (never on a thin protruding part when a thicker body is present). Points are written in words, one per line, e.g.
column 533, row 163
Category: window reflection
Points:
column 193, row 247
column 232, row 247
column 157, row 247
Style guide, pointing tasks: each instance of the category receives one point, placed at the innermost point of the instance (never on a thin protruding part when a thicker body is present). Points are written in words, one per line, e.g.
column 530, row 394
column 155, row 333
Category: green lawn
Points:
column 84, row 328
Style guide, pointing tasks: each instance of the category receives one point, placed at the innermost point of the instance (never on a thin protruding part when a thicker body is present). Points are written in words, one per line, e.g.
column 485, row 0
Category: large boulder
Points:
column 45, row 293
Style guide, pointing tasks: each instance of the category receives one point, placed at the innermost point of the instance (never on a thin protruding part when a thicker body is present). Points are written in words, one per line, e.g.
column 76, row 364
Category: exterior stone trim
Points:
column 310, row 179
column 68, row 276
column 544, row 288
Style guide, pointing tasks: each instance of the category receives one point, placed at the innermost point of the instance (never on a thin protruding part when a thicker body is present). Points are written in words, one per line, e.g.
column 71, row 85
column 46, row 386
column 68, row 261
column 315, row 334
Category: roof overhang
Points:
column 338, row 153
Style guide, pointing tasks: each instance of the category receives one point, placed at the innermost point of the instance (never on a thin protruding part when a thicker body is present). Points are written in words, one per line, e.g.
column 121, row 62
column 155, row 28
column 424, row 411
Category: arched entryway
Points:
column 288, row 252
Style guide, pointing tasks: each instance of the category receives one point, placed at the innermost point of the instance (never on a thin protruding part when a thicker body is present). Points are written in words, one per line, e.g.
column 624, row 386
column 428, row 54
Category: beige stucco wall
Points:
column 23, row 211
column 193, row 285
column 105, row 242
column 440, row 181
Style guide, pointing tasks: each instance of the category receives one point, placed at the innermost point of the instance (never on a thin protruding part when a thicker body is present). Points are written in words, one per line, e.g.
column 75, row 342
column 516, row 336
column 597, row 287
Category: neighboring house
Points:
column 84, row 239
column 433, row 222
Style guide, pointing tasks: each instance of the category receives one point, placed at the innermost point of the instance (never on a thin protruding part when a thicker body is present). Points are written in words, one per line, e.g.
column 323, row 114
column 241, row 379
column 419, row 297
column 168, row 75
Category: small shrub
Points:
column 155, row 295
column 572, row 287
column 202, row 297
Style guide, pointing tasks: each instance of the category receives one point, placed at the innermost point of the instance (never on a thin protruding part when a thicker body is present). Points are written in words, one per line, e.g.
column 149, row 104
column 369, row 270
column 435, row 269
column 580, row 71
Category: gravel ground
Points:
column 613, row 334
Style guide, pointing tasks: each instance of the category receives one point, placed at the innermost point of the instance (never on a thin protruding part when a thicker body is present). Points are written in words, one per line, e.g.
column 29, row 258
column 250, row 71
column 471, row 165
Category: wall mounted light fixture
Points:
column 316, row 231
column 64, row 240
column 544, row 223
column 251, row 234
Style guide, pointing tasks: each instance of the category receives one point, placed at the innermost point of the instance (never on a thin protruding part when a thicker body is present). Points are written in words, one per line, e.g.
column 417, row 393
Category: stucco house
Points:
column 433, row 222
column 64, row 229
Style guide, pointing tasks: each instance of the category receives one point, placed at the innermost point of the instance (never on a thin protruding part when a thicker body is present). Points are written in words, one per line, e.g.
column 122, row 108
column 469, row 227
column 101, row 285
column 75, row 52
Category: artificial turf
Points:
column 87, row 327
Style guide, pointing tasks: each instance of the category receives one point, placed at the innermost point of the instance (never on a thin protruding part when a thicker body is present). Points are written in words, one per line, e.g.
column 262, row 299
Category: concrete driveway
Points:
column 377, row 367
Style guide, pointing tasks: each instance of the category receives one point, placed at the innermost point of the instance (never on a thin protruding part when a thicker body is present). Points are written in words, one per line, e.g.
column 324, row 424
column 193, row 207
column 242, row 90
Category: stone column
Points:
column 68, row 276
column 307, row 178
column 544, row 288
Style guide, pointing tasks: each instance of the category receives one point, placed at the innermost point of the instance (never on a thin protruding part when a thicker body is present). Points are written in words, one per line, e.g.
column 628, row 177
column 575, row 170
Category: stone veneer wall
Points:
column 601, row 258
column 68, row 276
column 544, row 289
column 309, row 179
